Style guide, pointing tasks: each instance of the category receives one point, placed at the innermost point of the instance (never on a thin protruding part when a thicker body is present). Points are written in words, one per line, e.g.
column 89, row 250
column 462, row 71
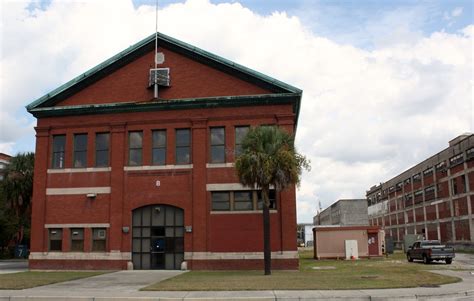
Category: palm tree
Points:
column 17, row 189
column 269, row 158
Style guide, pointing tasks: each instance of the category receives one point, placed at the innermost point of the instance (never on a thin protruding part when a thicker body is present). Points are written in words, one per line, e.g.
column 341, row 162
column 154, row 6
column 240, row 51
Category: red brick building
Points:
column 124, row 178
column 435, row 198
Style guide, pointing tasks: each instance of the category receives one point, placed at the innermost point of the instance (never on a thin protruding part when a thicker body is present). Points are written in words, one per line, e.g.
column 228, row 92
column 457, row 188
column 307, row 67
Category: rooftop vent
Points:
column 161, row 76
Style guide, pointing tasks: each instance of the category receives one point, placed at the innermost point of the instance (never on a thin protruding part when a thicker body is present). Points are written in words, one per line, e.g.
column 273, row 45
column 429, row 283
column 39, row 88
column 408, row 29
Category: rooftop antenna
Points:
column 156, row 50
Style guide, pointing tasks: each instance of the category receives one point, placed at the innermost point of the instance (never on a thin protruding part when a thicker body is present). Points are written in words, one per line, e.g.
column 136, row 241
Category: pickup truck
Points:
column 430, row 250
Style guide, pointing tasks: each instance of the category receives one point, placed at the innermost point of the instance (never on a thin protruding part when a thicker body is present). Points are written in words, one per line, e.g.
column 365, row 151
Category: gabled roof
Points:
column 147, row 44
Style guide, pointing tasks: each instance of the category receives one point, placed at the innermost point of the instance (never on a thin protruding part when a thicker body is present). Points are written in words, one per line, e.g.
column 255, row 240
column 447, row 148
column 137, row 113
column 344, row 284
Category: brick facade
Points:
column 442, row 194
column 105, row 198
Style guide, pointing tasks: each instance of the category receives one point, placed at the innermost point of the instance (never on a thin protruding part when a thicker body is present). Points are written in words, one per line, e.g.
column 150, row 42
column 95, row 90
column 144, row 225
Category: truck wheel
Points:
column 409, row 258
column 426, row 260
column 449, row 260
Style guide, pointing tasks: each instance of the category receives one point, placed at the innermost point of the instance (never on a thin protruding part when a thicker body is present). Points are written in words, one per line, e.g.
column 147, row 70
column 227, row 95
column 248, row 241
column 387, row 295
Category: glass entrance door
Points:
column 158, row 237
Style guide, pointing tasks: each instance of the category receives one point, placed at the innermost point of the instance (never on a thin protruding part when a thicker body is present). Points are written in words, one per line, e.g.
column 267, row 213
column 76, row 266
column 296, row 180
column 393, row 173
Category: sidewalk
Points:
column 125, row 285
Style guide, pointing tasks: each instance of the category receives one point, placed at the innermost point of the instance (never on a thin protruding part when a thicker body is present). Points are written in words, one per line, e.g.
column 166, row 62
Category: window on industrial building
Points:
column 464, row 184
column 59, row 146
column 218, row 145
column 159, row 147
column 470, row 153
column 135, row 144
column 399, row 186
column 243, row 200
column 417, row 177
column 454, row 186
column 99, row 239
column 220, row 201
column 77, row 239
column 80, row 150
column 102, row 141
column 429, row 193
column 183, row 145
column 407, row 181
column 55, row 239
column 456, row 160
column 428, row 171
column 240, row 133
column 441, row 166
column 271, row 197
column 391, row 189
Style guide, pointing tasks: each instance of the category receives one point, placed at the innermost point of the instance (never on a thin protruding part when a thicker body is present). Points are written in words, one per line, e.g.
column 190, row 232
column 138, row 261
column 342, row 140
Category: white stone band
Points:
column 47, row 226
column 157, row 167
column 238, row 255
column 80, row 256
column 72, row 170
column 77, row 190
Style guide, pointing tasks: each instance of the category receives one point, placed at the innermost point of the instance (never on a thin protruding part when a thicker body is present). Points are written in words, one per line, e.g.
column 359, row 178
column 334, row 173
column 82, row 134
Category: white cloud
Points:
column 367, row 114
column 456, row 12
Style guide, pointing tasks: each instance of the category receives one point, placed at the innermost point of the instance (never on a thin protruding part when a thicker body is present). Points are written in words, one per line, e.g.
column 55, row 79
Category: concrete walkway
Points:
column 125, row 285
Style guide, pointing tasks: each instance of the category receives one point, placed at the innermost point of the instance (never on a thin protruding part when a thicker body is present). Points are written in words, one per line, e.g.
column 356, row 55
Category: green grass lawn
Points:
column 24, row 280
column 391, row 272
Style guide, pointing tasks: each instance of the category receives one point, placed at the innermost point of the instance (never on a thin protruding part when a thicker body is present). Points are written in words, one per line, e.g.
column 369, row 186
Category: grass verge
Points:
column 391, row 272
column 22, row 280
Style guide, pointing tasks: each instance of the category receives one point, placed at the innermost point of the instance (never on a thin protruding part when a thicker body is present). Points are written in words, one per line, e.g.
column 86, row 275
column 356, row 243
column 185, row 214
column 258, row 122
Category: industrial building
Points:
column 345, row 212
column 4, row 161
column 125, row 178
column 435, row 198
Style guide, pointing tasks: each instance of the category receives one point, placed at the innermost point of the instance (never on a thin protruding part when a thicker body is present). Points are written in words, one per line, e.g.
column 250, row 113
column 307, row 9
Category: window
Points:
column 183, row 142
column 407, row 181
column 243, row 200
column 240, row 133
column 218, row 145
column 428, row 171
column 80, row 150
column 417, row 177
column 99, row 238
column 399, row 186
column 159, row 147
column 271, row 196
column 135, row 142
column 441, row 166
column 454, row 186
column 470, row 153
column 456, row 160
column 220, row 201
column 55, row 239
column 77, row 240
column 102, row 141
column 59, row 145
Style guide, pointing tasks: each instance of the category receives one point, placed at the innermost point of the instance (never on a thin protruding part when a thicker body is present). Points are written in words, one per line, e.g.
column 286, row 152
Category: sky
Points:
column 386, row 84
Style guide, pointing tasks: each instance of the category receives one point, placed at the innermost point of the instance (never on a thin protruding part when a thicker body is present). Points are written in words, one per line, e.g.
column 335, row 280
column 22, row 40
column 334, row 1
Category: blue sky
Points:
column 386, row 83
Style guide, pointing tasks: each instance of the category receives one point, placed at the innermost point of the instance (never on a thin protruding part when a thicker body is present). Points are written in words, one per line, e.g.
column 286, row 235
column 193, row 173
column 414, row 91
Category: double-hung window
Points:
column 59, row 146
column 183, row 146
column 218, row 145
column 102, row 141
column 159, row 147
column 240, row 133
column 135, row 144
column 80, row 150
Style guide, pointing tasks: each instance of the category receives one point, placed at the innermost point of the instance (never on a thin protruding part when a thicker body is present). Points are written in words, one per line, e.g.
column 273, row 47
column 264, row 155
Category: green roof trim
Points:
column 175, row 104
column 127, row 55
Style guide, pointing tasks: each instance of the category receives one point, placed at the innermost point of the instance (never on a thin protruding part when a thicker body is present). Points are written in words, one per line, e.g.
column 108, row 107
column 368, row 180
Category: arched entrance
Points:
column 158, row 237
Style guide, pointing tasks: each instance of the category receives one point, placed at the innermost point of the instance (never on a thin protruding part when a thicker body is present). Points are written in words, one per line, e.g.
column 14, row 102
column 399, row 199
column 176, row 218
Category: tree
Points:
column 269, row 158
column 17, row 191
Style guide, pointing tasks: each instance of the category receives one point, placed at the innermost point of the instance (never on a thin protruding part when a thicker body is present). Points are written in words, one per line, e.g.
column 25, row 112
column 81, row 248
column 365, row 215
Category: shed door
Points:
column 373, row 244
column 158, row 237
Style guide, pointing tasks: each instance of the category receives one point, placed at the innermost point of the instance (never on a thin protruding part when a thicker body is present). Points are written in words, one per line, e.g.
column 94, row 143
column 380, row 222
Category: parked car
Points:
column 430, row 250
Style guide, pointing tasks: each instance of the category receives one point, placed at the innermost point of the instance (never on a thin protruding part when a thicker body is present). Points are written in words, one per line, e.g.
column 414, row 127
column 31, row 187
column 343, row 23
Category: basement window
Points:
column 99, row 239
column 55, row 239
column 77, row 240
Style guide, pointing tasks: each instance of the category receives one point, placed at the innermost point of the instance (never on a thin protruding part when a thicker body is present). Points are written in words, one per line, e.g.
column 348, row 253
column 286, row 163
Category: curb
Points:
column 449, row 296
